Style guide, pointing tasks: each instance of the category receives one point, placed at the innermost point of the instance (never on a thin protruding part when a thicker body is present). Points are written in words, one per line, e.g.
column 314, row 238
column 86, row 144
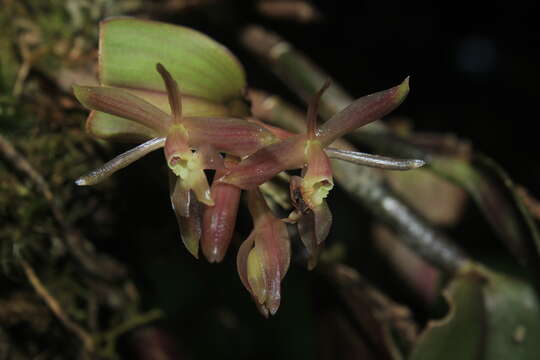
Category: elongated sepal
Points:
column 264, row 258
column 313, row 109
column 267, row 162
column 233, row 136
column 120, row 162
column 123, row 104
column 130, row 49
column 219, row 220
column 110, row 127
column 362, row 111
column 278, row 132
column 317, row 181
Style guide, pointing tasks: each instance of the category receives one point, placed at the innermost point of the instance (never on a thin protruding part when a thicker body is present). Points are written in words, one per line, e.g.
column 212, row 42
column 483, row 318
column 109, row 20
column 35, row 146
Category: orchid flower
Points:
column 306, row 151
column 179, row 135
column 294, row 152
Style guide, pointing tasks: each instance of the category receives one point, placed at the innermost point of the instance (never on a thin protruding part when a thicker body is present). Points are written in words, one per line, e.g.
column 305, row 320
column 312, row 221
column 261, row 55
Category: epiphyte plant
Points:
column 187, row 98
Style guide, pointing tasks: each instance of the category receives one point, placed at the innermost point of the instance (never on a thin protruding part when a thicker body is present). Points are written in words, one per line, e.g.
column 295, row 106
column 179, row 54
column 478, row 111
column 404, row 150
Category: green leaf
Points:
column 492, row 317
column 131, row 48
column 460, row 334
column 514, row 319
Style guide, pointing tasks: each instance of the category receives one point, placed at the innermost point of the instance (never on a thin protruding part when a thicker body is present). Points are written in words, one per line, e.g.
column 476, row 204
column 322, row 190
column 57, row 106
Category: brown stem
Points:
column 56, row 307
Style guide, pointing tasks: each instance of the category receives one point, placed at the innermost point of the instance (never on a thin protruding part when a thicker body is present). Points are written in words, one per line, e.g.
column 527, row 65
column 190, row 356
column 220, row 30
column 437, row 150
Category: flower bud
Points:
column 263, row 259
column 219, row 220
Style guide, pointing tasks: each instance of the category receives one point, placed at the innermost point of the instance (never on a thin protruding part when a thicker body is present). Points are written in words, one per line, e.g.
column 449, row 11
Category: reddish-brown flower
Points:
column 263, row 259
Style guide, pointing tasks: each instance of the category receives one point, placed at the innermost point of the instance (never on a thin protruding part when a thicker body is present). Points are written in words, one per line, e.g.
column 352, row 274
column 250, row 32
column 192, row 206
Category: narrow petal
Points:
column 268, row 162
column 219, row 220
column 173, row 93
column 121, row 103
column 377, row 161
column 233, row 136
column 120, row 162
column 361, row 112
column 313, row 108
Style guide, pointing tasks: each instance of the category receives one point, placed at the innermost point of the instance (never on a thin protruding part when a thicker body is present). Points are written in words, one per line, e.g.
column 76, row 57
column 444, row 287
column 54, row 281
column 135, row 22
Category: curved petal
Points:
column 120, row 162
column 362, row 111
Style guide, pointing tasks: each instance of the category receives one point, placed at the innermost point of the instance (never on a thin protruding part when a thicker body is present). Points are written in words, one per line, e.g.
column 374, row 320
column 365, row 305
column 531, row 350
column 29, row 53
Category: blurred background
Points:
column 474, row 73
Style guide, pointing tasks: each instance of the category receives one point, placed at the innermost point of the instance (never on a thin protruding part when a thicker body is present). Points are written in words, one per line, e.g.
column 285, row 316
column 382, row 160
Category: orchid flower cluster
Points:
column 243, row 153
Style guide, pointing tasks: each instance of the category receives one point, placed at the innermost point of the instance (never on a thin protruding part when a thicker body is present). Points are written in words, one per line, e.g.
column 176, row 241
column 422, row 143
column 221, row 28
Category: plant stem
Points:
column 56, row 307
